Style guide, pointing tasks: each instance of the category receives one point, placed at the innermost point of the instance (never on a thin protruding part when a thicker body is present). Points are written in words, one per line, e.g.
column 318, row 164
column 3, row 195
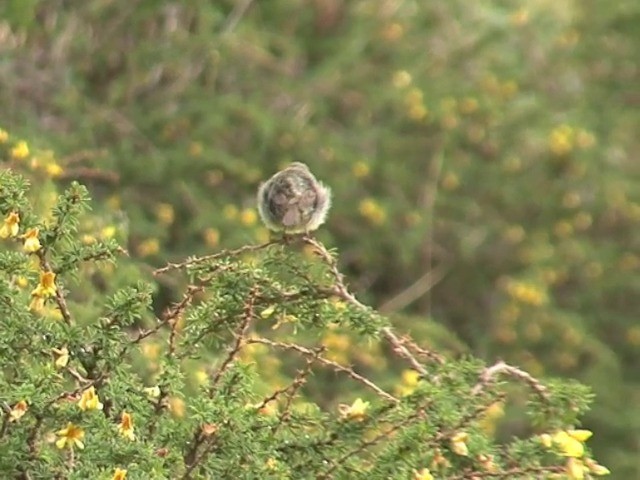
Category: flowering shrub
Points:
column 95, row 384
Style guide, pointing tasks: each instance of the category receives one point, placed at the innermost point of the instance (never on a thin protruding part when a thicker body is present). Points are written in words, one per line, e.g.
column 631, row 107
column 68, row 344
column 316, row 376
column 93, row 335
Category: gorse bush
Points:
column 94, row 384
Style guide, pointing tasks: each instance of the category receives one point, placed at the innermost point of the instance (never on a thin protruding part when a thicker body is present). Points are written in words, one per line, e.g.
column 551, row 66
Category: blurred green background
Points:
column 483, row 157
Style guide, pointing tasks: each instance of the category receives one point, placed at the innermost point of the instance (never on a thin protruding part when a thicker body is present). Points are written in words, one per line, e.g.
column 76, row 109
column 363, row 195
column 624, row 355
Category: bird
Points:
column 293, row 201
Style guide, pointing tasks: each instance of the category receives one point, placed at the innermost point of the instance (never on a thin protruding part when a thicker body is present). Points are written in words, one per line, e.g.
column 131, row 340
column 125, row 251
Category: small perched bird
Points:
column 293, row 201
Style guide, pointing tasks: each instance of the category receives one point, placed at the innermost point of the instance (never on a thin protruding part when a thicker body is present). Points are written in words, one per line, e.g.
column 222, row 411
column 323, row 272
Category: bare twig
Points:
column 236, row 15
column 488, row 376
column 416, row 290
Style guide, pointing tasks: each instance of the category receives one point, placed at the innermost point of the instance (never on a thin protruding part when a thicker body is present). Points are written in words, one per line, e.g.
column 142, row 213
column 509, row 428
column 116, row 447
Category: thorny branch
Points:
column 335, row 366
column 207, row 258
column 340, row 290
column 489, row 374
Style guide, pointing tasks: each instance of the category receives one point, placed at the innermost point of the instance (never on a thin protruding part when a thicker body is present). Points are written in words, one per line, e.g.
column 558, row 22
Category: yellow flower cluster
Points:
column 459, row 444
column 356, row 412
column 526, row 293
column 564, row 139
column 570, row 443
column 89, row 400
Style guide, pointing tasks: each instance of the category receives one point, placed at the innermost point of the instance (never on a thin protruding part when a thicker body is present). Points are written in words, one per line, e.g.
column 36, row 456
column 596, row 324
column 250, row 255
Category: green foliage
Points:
column 94, row 384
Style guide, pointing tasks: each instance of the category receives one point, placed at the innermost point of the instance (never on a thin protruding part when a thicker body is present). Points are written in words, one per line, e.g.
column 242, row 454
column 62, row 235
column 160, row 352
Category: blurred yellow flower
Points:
column 360, row 169
column 595, row 468
column 468, row 105
column 53, row 169
column 230, row 211
column 401, row 79
column 195, row 149
column 393, row 32
column 575, row 469
column 126, row 426
column 152, row 392
column 31, row 241
column 21, row 150
column 570, row 442
column 90, row 400
column 165, row 213
column 177, row 407
column 148, row 247
column 372, row 211
column 459, row 444
column 4, row 136
column 520, row 17
column 561, row 140
column 71, row 436
column 18, row 411
column 62, row 357
column 211, row 237
column 422, row 474
column 248, row 217
column 150, row 350
column 417, row 112
column 357, row 411
column 119, row 474
column 585, row 139
column 527, row 293
column 10, row 226
column 450, row 181
column 108, row 232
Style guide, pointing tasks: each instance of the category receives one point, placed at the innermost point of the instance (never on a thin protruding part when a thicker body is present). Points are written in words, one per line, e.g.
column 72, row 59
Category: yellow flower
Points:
column 569, row 445
column 546, row 440
column 164, row 212
column 401, row 79
column 575, row 469
column 248, row 217
column 10, row 226
column 152, row 392
column 126, row 426
column 47, row 285
column 459, row 444
column 21, row 150
column 360, row 169
column 53, row 169
column 372, row 211
column 89, row 400
column 177, row 407
column 595, row 468
column 439, row 461
column 211, row 237
column 18, row 410
column 119, row 474
column 37, row 304
column 62, row 355
column 580, row 435
column 4, row 136
column 561, row 140
column 71, row 436
column 357, row 411
column 423, row 474
column 148, row 247
column 31, row 241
